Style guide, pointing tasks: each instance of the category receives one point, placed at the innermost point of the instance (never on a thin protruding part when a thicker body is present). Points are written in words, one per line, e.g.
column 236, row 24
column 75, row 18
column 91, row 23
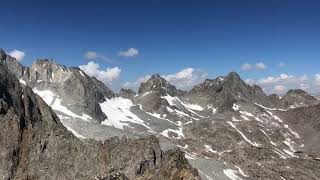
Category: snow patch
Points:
column 193, row 106
column 232, row 174
column 176, row 131
column 236, row 107
column 292, row 132
column 118, row 112
column 22, row 82
column 241, row 172
column 244, row 137
column 268, row 137
column 54, row 102
column 209, row 149
column 81, row 73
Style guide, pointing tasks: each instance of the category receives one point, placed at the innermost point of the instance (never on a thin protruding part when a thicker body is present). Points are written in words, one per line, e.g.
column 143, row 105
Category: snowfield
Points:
column 54, row 101
column 119, row 115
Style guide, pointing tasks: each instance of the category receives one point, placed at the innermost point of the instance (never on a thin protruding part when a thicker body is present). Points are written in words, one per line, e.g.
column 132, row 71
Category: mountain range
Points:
column 59, row 122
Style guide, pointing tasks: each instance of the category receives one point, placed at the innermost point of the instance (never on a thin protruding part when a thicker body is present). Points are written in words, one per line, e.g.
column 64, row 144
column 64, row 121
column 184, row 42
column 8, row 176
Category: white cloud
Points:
column 107, row 76
column 91, row 55
column 95, row 55
column 184, row 79
column 257, row 66
column 279, row 89
column 317, row 81
column 260, row 66
column 19, row 55
column 283, row 82
column 317, row 77
column 135, row 85
column 131, row 52
column 246, row 67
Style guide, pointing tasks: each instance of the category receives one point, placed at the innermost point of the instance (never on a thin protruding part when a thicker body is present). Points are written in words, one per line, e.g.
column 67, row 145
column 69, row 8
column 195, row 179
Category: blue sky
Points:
column 211, row 37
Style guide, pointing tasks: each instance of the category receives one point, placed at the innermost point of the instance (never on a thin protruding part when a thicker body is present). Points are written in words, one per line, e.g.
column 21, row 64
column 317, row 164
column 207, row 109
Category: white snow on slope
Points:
column 82, row 74
column 209, row 149
column 118, row 112
column 55, row 103
column 192, row 106
column 171, row 100
column 236, row 107
column 22, row 82
column 244, row 137
column 271, row 109
column 292, row 132
column 176, row 131
column 271, row 142
column 241, row 172
column 231, row 174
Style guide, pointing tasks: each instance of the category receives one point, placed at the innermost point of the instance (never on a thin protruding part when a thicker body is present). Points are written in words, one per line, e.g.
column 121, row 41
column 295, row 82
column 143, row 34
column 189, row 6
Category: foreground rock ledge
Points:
column 35, row 145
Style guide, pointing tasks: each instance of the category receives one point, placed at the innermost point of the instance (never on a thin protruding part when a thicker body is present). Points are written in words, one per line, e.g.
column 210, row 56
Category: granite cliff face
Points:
column 35, row 145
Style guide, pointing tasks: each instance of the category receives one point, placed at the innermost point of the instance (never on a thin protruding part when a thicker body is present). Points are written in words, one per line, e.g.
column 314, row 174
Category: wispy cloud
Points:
column 94, row 55
column 256, row 66
column 19, row 55
column 131, row 52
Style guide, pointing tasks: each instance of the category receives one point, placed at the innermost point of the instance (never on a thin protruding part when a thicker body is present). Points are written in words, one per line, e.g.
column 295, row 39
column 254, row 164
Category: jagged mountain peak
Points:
column 48, row 64
column 159, row 84
column 224, row 91
column 233, row 75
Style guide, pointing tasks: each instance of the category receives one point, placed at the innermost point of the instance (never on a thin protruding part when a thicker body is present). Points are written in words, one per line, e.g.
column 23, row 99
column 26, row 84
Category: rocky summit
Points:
column 60, row 123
